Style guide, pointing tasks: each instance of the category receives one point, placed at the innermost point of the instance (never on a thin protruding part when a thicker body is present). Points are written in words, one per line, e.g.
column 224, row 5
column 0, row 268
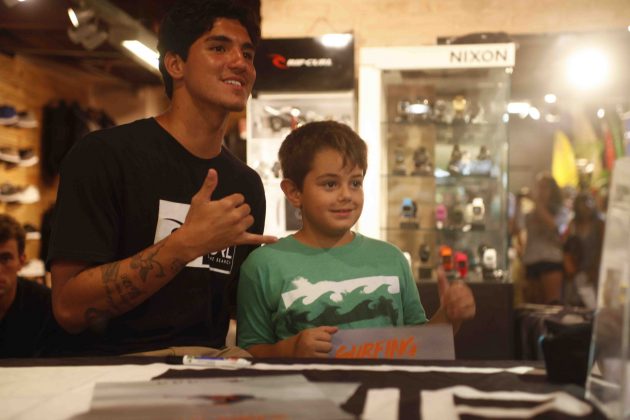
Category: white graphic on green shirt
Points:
column 352, row 301
column 313, row 291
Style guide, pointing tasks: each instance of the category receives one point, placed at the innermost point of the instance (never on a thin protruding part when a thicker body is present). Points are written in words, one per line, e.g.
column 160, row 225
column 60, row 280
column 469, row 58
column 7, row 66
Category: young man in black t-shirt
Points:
column 154, row 218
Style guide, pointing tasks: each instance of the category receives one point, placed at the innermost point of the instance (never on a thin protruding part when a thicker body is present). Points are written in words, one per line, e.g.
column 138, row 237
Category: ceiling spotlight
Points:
column 336, row 40
column 89, row 35
column 588, row 68
column 534, row 113
column 550, row 98
column 11, row 3
column 79, row 17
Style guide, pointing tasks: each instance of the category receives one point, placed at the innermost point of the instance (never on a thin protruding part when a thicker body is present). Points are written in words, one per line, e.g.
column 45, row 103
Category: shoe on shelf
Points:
column 31, row 232
column 26, row 119
column 14, row 194
column 27, row 158
column 8, row 115
column 9, row 155
column 33, row 269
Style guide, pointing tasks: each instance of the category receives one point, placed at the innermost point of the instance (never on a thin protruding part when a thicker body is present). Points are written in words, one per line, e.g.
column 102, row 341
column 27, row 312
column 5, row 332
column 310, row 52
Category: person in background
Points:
column 295, row 294
column 27, row 326
column 154, row 218
column 543, row 254
column 584, row 238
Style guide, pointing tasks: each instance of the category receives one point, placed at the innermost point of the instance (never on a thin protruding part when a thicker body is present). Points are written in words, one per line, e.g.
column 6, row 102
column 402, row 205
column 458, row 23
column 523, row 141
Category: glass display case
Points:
column 436, row 127
column 271, row 117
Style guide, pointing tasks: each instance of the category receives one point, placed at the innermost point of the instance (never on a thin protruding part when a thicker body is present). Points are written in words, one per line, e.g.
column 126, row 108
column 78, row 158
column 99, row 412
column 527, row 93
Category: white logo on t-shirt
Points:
column 171, row 216
column 312, row 291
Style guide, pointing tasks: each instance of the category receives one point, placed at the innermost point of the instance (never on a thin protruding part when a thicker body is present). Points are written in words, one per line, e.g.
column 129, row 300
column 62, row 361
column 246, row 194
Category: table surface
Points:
column 62, row 388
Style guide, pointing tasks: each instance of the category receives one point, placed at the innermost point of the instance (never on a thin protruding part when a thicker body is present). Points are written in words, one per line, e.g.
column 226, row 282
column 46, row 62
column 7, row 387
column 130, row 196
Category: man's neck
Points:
column 200, row 131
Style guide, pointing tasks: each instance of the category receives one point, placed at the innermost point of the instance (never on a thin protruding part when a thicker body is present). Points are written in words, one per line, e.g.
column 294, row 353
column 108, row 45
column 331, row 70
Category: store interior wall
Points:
column 379, row 23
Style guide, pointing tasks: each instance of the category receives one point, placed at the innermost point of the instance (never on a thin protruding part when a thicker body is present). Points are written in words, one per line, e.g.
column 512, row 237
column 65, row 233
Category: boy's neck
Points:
column 323, row 241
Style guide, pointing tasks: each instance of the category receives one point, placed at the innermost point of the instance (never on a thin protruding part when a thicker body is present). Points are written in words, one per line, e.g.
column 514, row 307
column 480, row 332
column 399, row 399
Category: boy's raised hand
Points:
column 314, row 342
column 456, row 300
column 213, row 225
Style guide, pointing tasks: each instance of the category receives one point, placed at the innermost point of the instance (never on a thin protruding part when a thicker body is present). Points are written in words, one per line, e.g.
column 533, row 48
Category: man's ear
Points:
column 292, row 192
column 174, row 65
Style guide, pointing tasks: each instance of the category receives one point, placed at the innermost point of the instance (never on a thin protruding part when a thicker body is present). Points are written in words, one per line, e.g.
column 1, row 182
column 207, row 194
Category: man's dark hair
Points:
column 299, row 148
column 11, row 229
column 187, row 20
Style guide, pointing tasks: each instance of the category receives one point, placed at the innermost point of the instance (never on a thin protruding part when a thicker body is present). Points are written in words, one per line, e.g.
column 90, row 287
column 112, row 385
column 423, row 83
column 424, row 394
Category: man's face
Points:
column 220, row 66
column 10, row 263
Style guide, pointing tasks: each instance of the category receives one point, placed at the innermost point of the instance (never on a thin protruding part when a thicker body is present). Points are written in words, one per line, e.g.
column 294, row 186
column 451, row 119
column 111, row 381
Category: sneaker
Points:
column 32, row 269
column 26, row 119
column 8, row 116
column 9, row 155
column 9, row 193
column 31, row 232
column 27, row 158
column 14, row 194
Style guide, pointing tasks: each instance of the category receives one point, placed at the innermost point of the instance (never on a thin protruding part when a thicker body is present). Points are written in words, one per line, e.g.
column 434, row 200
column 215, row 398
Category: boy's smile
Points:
column 331, row 200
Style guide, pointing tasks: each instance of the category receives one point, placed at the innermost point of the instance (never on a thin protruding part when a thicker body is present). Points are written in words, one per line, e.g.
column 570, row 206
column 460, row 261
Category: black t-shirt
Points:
column 28, row 327
column 124, row 189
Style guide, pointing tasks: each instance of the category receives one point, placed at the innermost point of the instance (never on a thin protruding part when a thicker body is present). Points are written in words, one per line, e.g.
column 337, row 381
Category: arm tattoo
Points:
column 120, row 290
column 110, row 275
column 145, row 264
column 177, row 265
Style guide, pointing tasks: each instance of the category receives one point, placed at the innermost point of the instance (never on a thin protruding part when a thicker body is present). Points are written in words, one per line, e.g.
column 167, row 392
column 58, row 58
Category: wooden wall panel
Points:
column 30, row 85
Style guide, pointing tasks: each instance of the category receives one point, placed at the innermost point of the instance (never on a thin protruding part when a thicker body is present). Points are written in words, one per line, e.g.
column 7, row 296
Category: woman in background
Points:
column 543, row 254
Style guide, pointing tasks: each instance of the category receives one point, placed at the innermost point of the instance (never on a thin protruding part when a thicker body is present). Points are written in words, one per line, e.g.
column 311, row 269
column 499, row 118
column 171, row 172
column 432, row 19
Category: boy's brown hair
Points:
column 11, row 229
column 299, row 148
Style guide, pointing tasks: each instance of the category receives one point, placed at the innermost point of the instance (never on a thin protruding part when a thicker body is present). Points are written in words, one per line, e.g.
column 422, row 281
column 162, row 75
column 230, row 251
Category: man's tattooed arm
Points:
column 129, row 282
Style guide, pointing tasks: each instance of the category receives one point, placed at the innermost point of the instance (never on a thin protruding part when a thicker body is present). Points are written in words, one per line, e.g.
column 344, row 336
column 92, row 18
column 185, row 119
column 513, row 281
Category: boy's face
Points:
column 331, row 199
column 220, row 66
column 10, row 263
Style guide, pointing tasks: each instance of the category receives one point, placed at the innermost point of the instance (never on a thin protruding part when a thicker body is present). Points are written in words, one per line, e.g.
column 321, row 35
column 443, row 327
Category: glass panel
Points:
column 444, row 174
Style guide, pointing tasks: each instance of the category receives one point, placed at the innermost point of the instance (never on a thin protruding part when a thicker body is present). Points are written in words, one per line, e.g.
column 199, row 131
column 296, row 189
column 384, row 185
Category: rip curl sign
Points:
column 425, row 342
column 303, row 65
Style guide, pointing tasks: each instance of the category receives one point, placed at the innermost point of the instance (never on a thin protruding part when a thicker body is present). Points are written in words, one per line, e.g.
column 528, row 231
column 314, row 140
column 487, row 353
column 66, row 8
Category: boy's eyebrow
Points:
column 328, row 175
column 224, row 38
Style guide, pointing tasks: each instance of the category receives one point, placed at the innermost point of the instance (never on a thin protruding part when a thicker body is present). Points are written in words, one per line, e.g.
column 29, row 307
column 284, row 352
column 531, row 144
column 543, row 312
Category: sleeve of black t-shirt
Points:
column 85, row 223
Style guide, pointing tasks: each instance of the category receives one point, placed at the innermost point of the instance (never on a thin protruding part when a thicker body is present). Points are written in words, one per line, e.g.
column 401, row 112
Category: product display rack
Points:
column 436, row 128
column 271, row 117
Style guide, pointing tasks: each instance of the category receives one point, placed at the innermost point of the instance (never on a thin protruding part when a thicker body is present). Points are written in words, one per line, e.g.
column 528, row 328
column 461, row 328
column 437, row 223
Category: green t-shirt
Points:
column 287, row 287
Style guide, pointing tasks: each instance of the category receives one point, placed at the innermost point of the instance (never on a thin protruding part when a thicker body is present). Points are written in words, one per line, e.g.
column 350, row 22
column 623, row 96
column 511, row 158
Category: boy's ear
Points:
column 174, row 65
column 292, row 192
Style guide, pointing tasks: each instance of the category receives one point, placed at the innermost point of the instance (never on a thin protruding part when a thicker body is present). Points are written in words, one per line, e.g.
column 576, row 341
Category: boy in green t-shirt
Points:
column 295, row 294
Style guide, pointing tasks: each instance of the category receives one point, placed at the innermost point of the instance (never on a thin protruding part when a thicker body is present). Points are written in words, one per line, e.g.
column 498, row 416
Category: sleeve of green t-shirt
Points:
column 413, row 311
column 254, row 314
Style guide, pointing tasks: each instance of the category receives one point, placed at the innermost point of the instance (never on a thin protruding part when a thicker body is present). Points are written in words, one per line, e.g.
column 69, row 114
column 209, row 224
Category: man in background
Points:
column 27, row 327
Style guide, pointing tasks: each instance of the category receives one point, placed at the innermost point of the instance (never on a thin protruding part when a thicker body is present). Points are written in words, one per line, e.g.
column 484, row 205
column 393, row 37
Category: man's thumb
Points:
column 209, row 184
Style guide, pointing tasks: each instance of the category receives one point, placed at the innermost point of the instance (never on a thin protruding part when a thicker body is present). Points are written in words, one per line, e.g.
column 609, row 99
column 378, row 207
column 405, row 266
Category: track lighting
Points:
column 79, row 17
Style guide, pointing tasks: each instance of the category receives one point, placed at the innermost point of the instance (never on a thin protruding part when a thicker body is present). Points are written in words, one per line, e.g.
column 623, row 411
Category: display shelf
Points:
column 442, row 148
